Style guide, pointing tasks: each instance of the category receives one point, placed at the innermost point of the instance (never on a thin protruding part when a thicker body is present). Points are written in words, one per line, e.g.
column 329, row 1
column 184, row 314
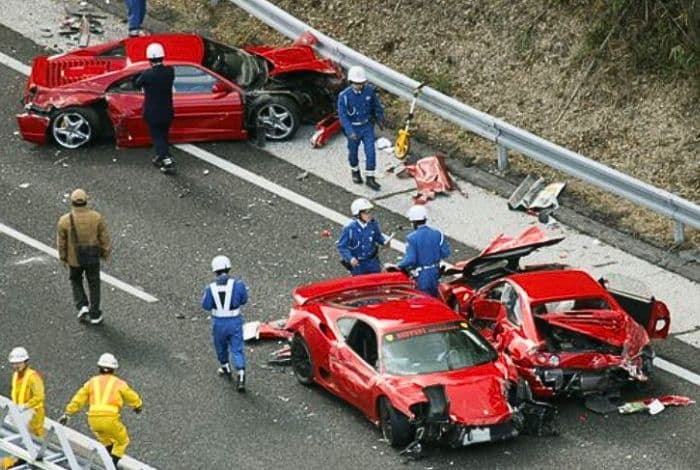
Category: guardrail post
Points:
column 502, row 158
column 678, row 231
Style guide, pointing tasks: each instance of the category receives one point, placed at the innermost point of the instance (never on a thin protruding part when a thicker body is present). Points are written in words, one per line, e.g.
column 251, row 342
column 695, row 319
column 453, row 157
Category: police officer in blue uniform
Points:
column 157, row 84
column 425, row 247
column 224, row 298
column 359, row 242
column 358, row 109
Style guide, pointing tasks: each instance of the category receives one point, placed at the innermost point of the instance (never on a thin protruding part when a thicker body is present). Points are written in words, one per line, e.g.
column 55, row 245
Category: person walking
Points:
column 359, row 109
column 106, row 394
column 425, row 247
column 82, row 240
column 135, row 13
column 224, row 299
column 360, row 240
column 157, row 83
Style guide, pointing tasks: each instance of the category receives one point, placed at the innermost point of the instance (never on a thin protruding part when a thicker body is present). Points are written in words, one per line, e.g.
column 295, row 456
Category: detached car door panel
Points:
column 125, row 108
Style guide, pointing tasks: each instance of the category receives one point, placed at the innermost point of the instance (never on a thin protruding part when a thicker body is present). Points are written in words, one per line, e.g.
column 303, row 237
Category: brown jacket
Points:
column 92, row 230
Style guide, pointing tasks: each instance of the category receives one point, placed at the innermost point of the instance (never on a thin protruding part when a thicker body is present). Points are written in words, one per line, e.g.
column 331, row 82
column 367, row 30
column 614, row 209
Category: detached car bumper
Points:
column 33, row 127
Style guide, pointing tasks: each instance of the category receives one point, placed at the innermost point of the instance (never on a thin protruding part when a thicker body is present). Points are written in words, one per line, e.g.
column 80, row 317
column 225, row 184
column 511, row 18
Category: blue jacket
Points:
column 425, row 247
column 360, row 242
column 359, row 108
column 157, row 83
column 239, row 297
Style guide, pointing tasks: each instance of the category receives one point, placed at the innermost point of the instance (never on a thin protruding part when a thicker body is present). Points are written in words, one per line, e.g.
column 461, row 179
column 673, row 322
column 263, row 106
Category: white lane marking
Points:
column 317, row 208
column 275, row 188
column 129, row 289
column 679, row 371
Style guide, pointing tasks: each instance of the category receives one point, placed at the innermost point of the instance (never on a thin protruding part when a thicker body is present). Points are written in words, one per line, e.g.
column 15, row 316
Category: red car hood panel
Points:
column 292, row 59
column 475, row 394
column 611, row 327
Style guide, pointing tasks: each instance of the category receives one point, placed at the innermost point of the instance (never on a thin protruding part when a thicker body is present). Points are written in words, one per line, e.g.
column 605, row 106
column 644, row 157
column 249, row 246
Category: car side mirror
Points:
column 220, row 87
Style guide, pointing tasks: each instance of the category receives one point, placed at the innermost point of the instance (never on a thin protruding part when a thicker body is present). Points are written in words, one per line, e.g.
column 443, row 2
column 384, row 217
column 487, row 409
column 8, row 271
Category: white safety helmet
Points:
column 108, row 361
column 155, row 51
column 18, row 355
column 357, row 74
column 417, row 213
column 359, row 205
column 220, row 263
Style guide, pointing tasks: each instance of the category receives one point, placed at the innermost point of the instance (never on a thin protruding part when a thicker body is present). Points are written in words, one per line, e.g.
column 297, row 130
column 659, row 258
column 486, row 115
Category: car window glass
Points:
column 570, row 305
column 495, row 292
column 124, row 85
column 192, row 80
column 361, row 338
column 509, row 298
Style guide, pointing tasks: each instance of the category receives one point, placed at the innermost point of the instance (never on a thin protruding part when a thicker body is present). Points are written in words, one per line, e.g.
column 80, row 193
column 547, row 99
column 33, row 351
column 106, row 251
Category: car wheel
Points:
column 395, row 426
column 301, row 361
column 278, row 115
column 74, row 127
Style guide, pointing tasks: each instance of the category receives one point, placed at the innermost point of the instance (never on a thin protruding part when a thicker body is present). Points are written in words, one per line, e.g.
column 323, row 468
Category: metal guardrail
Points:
column 504, row 135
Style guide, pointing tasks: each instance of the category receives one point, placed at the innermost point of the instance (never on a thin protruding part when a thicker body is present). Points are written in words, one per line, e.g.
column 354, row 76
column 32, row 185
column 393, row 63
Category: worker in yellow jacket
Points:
column 106, row 394
column 28, row 394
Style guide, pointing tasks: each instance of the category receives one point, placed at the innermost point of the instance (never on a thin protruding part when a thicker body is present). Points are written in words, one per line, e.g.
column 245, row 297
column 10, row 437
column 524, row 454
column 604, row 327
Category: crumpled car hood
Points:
column 290, row 59
column 611, row 327
column 475, row 394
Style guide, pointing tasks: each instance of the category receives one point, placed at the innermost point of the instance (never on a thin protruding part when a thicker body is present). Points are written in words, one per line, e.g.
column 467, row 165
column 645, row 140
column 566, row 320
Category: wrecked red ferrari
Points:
column 220, row 92
column 567, row 333
column 410, row 364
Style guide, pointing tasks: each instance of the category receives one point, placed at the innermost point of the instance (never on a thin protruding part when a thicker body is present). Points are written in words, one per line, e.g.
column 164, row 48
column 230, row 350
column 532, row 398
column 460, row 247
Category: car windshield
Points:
column 435, row 348
column 237, row 65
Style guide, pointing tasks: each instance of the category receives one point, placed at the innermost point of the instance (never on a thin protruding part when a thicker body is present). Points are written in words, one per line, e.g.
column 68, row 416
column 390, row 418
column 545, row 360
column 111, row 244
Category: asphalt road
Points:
column 166, row 230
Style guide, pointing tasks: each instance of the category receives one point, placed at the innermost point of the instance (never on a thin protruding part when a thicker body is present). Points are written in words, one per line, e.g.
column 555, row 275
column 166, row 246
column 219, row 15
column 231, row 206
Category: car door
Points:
column 353, row 376
column 125, row 109
column 206, row 106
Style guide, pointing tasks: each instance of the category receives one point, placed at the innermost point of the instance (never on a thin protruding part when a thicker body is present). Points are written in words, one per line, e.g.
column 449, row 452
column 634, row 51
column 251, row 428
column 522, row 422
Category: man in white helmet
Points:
column 425, row 247
column 359, row 109
column 106, row 394
column 360, row 239
column 224, row 299
column 157, row 83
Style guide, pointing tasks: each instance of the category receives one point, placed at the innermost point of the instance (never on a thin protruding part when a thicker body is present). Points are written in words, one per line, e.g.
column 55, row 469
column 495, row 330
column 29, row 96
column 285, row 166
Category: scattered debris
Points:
column 281, row 357
column 205, row 172
column 255, row 330
column 655, row 405
column 536, row 198
column 431, row 176
column 325, row 128
column 602, row 404
column 325, row 233
column 302, row 175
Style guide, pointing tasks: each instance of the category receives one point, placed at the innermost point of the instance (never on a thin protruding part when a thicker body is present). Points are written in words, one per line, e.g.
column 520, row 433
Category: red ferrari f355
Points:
column 220, row 92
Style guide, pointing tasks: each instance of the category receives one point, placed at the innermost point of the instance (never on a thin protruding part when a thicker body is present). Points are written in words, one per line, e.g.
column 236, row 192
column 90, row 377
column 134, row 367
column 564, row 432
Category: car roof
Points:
column 415, row 310
column 177, row 46
column 542, row 286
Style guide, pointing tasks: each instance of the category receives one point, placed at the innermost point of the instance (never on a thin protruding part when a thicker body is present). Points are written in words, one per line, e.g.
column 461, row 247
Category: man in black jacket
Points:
column 157, row 83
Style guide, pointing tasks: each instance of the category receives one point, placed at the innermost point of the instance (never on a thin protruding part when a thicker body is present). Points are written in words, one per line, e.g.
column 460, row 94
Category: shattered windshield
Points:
column 435, row 348
column 237, row 65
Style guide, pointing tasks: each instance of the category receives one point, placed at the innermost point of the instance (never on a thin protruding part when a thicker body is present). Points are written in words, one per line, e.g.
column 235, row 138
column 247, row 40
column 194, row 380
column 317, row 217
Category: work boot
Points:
column 240, row 385
column 224, row 371
column 84, row 310
column 372, row 183
column 356, row 177
column 96, row 317
column 157, row 161
column 168, row 166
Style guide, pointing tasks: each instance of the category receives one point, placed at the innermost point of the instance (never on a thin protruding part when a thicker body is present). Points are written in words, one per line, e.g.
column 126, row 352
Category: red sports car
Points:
column 409, row 363
column 566, row 332
column 220, row 92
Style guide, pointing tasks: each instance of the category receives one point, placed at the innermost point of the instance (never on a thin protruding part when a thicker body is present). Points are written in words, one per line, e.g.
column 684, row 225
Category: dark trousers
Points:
column 159, row 136
column 92, row 273
column 136, row 11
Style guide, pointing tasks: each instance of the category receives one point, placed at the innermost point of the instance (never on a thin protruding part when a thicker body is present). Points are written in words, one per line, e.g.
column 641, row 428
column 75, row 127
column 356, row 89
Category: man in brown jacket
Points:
column 83, row 227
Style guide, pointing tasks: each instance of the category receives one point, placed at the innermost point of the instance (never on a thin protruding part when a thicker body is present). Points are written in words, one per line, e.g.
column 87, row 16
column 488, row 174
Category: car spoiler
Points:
column 310, row 292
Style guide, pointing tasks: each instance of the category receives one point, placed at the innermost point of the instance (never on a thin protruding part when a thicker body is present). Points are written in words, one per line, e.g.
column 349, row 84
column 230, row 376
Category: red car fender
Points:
column 660, row 322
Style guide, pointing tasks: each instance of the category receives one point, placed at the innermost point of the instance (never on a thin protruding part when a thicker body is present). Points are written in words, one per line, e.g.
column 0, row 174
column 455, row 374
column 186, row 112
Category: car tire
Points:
column 278, row 114
column 74, row 127
column 395, row 427
column 301, row 361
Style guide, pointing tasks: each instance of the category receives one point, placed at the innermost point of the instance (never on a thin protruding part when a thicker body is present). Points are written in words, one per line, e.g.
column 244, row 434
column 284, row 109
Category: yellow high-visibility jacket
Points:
column 106, row 394
column 28, row 389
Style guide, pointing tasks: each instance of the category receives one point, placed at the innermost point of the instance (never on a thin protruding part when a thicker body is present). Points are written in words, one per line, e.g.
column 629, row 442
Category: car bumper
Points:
column 546, row 382
column 33, row 127
column 460, row 435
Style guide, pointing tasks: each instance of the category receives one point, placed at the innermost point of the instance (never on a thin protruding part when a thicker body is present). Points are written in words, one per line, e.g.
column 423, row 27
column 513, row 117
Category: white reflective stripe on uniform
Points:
column 225, row 310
